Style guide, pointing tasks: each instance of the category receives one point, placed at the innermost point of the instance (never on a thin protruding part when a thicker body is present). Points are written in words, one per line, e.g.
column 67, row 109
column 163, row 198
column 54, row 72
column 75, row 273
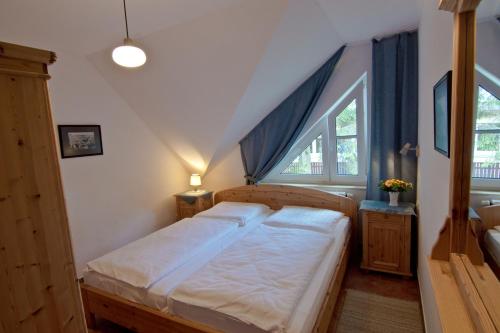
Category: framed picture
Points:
column 80, row 140
column 442, row 114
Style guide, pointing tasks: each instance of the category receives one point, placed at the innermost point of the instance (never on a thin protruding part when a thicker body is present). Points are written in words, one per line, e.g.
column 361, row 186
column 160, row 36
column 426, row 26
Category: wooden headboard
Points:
column 277, row 196
column 490, row 216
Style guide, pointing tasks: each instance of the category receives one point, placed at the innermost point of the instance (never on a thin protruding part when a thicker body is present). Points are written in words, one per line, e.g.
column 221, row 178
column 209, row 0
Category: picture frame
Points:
column 442, row 114
column 80, row 140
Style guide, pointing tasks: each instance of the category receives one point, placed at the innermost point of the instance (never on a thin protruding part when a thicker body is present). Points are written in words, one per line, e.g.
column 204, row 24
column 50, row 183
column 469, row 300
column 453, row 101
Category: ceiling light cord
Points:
column 128, row 54
column 126, row 21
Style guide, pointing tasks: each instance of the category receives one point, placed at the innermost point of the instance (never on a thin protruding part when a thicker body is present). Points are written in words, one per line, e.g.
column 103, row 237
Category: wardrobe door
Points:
column 38, row 287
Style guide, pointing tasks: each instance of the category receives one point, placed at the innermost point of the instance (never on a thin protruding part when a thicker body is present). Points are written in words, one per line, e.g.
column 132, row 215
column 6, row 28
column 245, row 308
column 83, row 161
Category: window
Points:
column 333, row 149
column 486, row 154
column 347, row 141
column 309, row 162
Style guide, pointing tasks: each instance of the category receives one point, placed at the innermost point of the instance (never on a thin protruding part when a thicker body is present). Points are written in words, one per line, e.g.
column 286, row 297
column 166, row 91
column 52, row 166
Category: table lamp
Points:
column 195, row 181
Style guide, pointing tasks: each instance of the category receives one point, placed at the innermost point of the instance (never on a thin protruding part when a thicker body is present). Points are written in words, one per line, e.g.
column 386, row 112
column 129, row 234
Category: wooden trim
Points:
column 466, row 295
column 452, row 311
column 144, row 319
column 470, row 296
column 459, row 6
column 23, row 73
column 462, row 121
column 9, row 50
column 457, row 235
column 487, row 286
column 38, row 285
column 134, row 316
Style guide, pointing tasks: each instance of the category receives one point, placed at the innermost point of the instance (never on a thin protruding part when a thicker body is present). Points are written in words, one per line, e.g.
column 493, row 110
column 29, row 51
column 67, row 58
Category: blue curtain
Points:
column 267, row 144
column 394, row 120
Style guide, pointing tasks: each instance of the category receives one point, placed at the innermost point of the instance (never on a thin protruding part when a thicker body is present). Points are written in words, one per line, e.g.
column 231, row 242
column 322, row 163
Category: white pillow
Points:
column 238, row 211
column 315, row 219
column 497, row 228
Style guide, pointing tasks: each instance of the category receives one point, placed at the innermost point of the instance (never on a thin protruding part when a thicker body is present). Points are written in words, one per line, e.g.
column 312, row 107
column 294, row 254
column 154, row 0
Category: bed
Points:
column 490, row 222
column 133, row 312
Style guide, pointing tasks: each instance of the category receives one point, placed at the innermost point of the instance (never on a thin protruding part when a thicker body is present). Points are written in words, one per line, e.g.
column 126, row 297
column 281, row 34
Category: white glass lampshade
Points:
column 195, row 180
column 128, row 55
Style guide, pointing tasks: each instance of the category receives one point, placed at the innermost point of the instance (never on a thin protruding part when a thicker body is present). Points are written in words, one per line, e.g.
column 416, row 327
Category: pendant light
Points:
column 128, row 54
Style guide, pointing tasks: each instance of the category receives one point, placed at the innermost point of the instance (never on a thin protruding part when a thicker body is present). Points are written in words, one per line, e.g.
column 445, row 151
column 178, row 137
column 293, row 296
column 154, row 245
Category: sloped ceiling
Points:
column 215, row 67
column 361, row 20
column 196, row 74
column 91, row 25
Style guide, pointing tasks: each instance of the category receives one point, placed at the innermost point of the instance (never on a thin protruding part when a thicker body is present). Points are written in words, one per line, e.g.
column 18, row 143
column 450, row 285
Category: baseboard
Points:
column 421, row 301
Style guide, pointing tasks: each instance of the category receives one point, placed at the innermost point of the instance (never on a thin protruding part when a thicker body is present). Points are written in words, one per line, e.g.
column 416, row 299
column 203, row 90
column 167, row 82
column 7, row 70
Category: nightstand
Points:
column 192, row 202
column 387, row 236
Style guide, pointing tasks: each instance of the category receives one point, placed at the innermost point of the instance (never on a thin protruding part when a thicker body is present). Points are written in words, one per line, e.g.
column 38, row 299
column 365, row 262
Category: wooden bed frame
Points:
column 144, row 319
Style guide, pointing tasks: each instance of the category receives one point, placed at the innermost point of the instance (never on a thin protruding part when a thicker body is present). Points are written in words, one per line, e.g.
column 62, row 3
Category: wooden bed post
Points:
column 457, row 235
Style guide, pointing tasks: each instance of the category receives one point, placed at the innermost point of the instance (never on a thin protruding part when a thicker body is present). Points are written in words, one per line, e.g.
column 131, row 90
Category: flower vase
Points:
column 393, row 196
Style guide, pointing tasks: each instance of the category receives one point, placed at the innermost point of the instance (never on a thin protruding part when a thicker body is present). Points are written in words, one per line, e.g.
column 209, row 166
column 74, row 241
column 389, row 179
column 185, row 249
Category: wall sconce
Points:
column 195, row 181
column 407, row 147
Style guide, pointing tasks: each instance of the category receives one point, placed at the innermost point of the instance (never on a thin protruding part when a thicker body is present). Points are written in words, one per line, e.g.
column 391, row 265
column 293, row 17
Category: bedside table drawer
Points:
column 380, row 217
column 184, row 204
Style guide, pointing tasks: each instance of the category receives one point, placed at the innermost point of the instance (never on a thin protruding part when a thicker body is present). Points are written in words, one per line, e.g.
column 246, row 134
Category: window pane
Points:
column 309, row 162
column 345, row 122
column 347, row 156
column 486, row 162
column 488, row 110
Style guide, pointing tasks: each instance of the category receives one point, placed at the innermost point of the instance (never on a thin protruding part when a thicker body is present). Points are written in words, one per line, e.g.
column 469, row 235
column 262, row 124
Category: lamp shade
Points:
column 195, row 180
column 128, row 55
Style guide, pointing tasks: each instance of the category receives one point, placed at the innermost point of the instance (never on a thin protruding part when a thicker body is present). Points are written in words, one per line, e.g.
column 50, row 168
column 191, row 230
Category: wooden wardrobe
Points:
column 38, row 287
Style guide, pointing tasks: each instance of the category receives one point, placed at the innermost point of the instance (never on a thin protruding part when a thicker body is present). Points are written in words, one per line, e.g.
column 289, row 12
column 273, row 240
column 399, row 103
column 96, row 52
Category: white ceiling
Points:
column 361, row 20
column 215, row 67
column 91, row 25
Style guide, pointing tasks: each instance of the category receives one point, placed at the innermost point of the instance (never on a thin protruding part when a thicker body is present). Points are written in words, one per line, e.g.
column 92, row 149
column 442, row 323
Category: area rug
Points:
column 363, row 312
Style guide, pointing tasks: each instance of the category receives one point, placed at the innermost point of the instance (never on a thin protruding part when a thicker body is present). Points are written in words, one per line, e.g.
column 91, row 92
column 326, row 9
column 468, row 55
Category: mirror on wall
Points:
column 486, row 149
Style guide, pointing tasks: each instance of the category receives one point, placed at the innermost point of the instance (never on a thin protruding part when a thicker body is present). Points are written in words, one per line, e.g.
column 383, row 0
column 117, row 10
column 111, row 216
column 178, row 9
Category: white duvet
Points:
column 260, row 279
column 147, row 260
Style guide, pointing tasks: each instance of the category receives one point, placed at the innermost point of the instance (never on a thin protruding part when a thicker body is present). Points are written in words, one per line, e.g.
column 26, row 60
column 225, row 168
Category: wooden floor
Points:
column 372, row 282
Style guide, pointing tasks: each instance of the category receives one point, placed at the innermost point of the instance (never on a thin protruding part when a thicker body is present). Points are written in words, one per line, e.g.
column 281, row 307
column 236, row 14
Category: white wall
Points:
column 302, row 41
column 228, row 173
column 435, row 49
column 127, row 192
column 196, row 73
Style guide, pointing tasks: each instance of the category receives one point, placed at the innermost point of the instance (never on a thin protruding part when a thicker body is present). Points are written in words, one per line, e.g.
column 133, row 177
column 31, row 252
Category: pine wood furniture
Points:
column 38, row 287
column 191, row 203
column 465, row 288
column 489, row 218
column 387, row 237
column 141, row 318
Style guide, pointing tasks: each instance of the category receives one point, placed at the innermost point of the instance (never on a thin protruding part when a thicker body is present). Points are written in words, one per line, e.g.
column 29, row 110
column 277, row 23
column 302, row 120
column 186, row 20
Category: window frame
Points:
column 326, row 127
column 358, row 94
column 491, row 84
